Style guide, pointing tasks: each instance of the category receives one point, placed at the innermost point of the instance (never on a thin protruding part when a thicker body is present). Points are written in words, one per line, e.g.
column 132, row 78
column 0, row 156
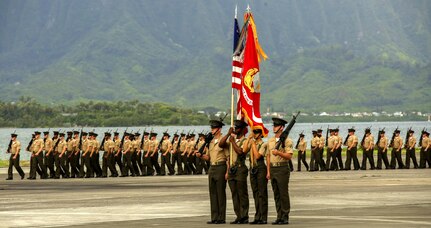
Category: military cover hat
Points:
column 319, row 130
column 382, row 131
column 176, row 135
column 411, row 131
column 166, row 134
column 13, row 135
column 192, row 135
column 336, row 130
column 116, row 133
column 239, row 124
column 216, row 124
column 153, row 134
column 137, row 134
column 55, row 132
column 397, row 131
column 367, row 131
column 95, row 134
column 146, row 133
column 61, row 134
column 69, row 133
column 278, row 121
column 183, row 134
column 314, row 132
column 301, row 135
column 90, row 133
column 426, row 133
column 351, row 130
column 257, row 131
column 46, row 132
column 37, row 132
column 76, row 132
column 201, row 134
column 106, row 133
column 84, row 133
column 109, row 134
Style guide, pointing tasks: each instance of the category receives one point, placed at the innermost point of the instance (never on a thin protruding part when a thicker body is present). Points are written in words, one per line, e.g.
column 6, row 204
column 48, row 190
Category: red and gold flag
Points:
column 250, row 83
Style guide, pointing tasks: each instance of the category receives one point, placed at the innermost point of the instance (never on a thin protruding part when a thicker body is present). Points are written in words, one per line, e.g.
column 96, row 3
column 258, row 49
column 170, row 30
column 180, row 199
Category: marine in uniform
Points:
column 368, row 150
column 411, row 150
column 49, row 154
column 84, row 146
column 321, row 149
column 60, row 157
column 154, row 153
column 182, row 149
column 71, row 146
column 189, row 154
column 258, row 181
column 396, row 151
column 37, row 157
column 95, row 156
column 139, row 145
column 127, row 156
column 117, row 155
column 217, row 173
column 425, row 153
column 352, row 149
column 238, row 171
column 148, row 170
column 382, row 151
column 134, row 152
column 176, row 156
column 201, row 164
column 76, row 156
column 15, row 148
column 302, row 149
column 317, row 162
column 338, row 149
column 166, row 155
column 331, row 150
column 278, row 171
column 109, row 155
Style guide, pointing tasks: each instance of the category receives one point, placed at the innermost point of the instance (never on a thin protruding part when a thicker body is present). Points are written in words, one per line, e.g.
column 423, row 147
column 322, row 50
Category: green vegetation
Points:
column 29, row 113
column 323, row 55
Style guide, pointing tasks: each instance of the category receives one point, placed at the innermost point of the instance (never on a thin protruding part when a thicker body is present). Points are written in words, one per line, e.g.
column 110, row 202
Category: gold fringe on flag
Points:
column 249, row 17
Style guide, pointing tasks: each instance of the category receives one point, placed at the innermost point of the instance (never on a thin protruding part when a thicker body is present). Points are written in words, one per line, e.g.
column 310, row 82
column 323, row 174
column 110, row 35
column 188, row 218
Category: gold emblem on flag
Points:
column 249, row 78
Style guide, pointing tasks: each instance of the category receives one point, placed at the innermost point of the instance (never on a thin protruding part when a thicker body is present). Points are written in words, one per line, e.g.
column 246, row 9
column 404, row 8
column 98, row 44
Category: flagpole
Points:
column 231, row 110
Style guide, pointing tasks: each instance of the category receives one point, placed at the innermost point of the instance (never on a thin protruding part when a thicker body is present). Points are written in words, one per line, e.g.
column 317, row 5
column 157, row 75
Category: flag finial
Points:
column 236, row 11
column 248, row 8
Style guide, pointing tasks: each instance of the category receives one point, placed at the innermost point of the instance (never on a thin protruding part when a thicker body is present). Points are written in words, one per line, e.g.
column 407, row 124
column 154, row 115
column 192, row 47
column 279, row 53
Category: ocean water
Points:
column 24, row 134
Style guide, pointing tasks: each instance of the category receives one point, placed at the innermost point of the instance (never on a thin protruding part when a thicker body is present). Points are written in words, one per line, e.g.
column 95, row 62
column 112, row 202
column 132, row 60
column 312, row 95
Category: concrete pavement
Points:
column 385, row 198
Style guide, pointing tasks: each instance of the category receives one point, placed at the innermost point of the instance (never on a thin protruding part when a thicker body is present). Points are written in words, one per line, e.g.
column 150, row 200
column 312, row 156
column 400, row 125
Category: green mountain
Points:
column 325, row 55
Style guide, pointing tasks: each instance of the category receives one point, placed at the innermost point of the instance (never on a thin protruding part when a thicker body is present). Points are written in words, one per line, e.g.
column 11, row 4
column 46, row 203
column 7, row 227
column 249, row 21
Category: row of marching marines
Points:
column 76, row 153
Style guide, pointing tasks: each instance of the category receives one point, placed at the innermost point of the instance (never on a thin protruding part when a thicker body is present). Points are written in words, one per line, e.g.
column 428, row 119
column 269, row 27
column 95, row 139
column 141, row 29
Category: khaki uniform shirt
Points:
column 240, row 143
column 175, row 145
column 96, row 147
column 117, row 144
column 315, row 142
column 200, row 143
column 15, row 147
column 165, row 145
column 109, row 145
column 146, row 145
column 340, row 140
column 48, row 144
column 37, row 144
column 84, row 145
column 61, row 145
column 321, row 142
column 263, row 149
column 271, row 146
column 331, row 142
column 412, row 142
column 153, row 146
column 302, row 146
column 183, row 145
column 353, row 139
column 369, row 141
column 127, row 145
column 425, row 142
column 90, row 145
column 398, row 142
column 54, row 141
column 383, row 142
column 71, row 145
column 216, row 153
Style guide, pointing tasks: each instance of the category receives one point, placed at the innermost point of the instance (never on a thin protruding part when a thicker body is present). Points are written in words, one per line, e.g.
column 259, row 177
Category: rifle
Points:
column 347, row 138
column 208, row 138
column 420, row 140
column 142, row 139
column 327, row 136
column 159, row 147
column 406, row 142
column 297, row 142
column 179, row 141
column 363, row 139
column 56, row 144
column 80, row 140
column 286, row 132
column 173, row 138
column 31, row 142
column 122, row 139
column 379, row 137
column 103, row 143
column 391, row 144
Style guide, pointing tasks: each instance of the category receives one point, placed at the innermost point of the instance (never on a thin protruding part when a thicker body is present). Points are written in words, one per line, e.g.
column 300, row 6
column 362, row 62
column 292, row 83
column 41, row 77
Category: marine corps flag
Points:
column 250, row 83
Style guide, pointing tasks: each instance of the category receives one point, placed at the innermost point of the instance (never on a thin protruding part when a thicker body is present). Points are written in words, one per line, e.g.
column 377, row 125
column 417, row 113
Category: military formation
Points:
column 77, row 154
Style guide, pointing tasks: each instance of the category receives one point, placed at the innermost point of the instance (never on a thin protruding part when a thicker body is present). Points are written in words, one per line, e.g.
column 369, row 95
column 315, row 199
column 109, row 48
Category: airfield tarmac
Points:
column 372, row 198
